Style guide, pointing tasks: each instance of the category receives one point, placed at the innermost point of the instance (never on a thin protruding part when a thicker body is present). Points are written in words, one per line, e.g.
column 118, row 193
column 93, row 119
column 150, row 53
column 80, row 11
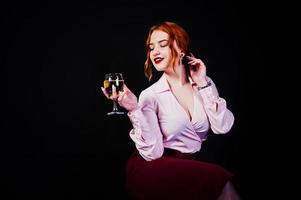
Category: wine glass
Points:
column 115, row 79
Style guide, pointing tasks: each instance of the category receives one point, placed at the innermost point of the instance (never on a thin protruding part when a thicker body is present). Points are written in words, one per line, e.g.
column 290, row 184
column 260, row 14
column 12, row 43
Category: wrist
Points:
column 203, row 86
column 133, row 109
column 201, row 81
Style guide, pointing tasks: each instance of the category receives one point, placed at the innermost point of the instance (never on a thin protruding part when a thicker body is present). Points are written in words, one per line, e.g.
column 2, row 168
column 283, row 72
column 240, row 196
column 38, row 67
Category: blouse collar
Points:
column 162, row 85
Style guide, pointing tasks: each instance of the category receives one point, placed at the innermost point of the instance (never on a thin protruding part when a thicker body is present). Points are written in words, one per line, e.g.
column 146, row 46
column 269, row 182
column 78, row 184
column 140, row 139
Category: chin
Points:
column 160, row 67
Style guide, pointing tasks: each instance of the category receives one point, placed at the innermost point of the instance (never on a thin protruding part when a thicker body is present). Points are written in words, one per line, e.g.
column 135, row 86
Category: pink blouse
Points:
column 161, row 122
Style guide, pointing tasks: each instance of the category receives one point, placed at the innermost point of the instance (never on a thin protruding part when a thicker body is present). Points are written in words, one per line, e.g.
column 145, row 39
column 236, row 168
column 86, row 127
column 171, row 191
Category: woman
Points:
column 170, row 122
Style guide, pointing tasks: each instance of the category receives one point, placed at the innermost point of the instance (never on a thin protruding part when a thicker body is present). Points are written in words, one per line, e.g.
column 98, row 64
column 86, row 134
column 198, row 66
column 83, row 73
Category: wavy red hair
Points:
column 176, row 33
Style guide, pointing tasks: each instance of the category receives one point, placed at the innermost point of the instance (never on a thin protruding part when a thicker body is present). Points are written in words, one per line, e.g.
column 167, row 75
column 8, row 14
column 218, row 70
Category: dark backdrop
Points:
column 56, row 139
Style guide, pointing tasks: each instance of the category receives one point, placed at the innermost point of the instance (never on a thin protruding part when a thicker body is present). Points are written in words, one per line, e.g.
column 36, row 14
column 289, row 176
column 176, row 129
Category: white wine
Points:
column 107, row 84
column 115, row 79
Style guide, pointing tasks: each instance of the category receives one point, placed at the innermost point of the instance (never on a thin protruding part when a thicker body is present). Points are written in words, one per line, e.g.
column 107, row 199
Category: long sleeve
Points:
column 146, row 132
column 220, row 117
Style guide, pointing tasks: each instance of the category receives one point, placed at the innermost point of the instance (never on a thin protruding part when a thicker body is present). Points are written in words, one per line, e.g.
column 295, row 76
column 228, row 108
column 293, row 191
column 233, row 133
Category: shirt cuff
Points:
column 209, row 94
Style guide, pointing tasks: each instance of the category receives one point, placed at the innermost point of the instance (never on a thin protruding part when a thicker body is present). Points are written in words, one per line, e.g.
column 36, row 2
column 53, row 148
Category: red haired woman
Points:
column 171, row 120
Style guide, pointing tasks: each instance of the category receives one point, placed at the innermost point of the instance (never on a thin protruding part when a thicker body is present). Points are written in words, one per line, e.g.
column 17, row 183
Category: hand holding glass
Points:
column 115, row 79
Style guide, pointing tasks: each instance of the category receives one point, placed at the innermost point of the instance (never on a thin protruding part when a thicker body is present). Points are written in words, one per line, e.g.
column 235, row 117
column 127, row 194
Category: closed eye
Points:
column 163, row 43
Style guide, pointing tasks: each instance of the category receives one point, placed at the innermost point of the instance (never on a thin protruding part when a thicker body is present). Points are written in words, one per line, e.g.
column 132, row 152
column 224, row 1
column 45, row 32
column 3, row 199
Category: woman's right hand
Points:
column 127, row 99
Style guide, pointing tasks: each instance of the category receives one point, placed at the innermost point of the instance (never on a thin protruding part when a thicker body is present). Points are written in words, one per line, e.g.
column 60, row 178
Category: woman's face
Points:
column 160, row 53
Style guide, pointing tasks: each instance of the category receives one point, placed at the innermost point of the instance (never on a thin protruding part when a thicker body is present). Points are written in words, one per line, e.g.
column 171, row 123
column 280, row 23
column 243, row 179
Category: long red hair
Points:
column 176, row 33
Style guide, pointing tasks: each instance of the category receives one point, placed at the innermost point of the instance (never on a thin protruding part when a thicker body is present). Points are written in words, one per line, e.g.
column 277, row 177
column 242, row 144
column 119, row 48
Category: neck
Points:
column 177, row 76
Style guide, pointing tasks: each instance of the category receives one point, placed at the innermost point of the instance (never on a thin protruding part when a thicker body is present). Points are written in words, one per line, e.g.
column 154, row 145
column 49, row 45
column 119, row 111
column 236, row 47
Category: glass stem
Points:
column 115, row 106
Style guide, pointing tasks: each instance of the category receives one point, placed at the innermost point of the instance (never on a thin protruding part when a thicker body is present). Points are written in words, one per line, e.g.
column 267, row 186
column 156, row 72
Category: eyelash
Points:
column 161, row 45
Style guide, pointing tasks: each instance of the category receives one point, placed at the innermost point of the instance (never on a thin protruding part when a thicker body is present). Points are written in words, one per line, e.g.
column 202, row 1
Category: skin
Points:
column 175, row 75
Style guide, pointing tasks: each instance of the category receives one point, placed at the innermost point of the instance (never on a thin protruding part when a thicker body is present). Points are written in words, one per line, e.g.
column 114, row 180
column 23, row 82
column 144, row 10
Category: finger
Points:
column 122, row 92
column 119, row 99
column 196, row 61
column 193, row 62
column 114, row 93
column 126, row 90
column 105, row 92
column 189, row 57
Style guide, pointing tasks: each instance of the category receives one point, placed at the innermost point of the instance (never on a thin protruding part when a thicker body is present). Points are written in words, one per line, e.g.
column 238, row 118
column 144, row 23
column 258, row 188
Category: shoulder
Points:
column 149, row 94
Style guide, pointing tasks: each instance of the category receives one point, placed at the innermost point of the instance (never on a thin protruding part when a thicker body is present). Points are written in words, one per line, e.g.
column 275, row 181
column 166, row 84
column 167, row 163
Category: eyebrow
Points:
column 159, row 41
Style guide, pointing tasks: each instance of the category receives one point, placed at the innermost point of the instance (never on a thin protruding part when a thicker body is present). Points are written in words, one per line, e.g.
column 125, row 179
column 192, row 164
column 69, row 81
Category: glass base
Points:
column 115, row 113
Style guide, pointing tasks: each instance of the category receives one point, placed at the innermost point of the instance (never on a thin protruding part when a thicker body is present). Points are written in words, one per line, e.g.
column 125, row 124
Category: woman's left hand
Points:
column 197, row 70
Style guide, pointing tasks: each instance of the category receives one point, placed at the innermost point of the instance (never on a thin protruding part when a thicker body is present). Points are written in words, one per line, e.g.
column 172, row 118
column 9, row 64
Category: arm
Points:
column 146, row 132
column 220, row 117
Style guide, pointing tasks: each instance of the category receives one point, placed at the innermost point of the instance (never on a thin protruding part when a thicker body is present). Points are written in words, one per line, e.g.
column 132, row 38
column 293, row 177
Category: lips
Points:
column 158, row 60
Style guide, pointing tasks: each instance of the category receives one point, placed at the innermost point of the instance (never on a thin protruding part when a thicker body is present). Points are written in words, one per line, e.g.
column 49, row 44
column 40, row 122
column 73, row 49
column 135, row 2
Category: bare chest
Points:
column 184, row 96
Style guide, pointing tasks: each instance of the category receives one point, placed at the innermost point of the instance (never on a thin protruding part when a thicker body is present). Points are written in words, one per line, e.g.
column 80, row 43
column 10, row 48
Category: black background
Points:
column 57, row 141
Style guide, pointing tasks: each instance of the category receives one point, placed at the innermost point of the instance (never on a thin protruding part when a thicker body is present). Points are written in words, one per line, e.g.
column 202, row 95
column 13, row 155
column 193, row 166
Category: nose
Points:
column 155, row 51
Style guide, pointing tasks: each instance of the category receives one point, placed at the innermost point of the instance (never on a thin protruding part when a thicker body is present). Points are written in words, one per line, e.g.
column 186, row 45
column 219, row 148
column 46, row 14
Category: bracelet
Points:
column 203, row 87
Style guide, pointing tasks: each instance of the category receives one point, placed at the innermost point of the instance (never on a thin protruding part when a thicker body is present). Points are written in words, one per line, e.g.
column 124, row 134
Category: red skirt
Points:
column 174, row 176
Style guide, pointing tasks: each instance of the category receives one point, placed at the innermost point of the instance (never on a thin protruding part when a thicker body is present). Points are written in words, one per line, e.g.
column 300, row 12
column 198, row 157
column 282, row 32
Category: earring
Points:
column 182, row 55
